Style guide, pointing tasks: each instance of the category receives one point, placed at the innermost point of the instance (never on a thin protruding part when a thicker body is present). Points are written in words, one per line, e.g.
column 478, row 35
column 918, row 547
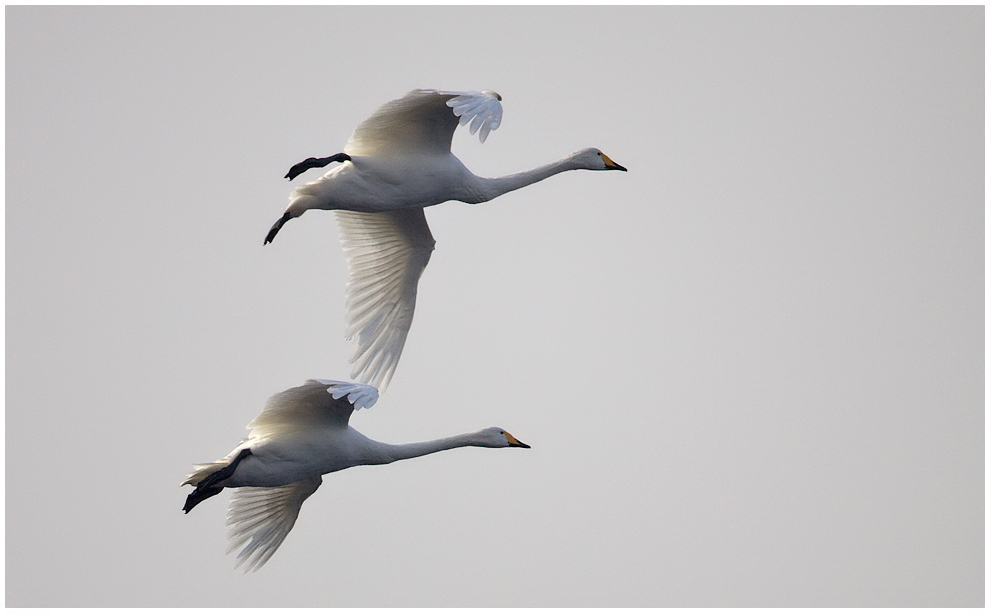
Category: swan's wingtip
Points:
column 359, row 395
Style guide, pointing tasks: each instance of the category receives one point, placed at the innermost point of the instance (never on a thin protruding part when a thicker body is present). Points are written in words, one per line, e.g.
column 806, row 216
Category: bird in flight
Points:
column 302, row 434
column 397, row 162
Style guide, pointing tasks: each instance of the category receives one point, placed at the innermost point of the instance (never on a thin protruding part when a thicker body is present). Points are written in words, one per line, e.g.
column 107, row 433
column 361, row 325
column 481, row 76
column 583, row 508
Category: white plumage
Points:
column 302, row 434
column 262, row 517
column 397, row 162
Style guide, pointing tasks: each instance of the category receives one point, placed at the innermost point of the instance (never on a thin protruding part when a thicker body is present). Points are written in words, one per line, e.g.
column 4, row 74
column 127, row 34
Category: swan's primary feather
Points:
column 386, row 254
column 261, row 517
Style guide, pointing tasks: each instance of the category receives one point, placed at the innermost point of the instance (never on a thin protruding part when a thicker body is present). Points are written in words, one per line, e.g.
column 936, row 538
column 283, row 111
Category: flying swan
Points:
column 302, row 434
column 397, row 162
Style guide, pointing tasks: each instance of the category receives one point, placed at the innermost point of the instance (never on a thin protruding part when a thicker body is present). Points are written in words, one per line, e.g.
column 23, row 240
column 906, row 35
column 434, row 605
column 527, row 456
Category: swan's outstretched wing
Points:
column 386, row 254
column 264, row 516
column 314, row 405
column 423, row 122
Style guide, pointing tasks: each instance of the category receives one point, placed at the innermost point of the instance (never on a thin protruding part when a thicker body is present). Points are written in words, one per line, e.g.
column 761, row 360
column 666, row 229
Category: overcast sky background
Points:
column 751, row 368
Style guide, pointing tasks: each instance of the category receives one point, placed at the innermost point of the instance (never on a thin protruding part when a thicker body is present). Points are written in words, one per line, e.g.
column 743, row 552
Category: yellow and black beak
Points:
column 610, row 165
column 514, row 442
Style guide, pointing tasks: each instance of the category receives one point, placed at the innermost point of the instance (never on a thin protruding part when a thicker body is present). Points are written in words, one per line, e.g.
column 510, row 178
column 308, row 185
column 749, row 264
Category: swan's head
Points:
column 495, row 437
column 594, row 160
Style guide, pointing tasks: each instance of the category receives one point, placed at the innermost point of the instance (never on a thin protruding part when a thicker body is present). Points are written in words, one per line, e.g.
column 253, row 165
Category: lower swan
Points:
column 302, row 434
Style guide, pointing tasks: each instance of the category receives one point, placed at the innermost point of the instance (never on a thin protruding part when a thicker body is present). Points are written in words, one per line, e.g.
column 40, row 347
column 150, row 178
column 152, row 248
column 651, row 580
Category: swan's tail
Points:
column 305, row 197
column 313, row 195
column 209, row 479
column 201, row 471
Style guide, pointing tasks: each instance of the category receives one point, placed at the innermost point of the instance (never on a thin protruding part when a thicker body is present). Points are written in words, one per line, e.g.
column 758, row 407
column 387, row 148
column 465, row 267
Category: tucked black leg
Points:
column 200, row 494
column 309, row 163
column 276, row 227
column 208, row 485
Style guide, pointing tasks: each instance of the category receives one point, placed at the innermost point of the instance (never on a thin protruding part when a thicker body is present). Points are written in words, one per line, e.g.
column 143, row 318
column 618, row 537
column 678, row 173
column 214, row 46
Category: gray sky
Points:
column 751, row 369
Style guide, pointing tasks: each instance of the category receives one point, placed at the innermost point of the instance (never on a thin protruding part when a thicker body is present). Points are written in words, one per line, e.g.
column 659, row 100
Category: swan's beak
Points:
column 514, row 442
column 610, row 165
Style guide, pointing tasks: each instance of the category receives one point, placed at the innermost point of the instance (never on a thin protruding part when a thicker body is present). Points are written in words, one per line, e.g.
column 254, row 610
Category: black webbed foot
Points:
column 200, row 494
column 277, row 226
column 208, row 485
column 307, row 164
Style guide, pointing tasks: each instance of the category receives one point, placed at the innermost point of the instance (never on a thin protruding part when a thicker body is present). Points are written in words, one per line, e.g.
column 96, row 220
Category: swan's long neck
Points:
column 491, row 188
column 393, row 452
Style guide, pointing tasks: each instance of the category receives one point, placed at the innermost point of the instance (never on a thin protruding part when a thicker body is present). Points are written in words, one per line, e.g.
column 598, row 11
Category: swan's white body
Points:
column 400, row 161
column 302, row 434
column 369, row 184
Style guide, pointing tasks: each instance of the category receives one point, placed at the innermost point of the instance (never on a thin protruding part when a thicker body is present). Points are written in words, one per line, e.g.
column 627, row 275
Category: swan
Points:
column 397, row 162
column 302, row 434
